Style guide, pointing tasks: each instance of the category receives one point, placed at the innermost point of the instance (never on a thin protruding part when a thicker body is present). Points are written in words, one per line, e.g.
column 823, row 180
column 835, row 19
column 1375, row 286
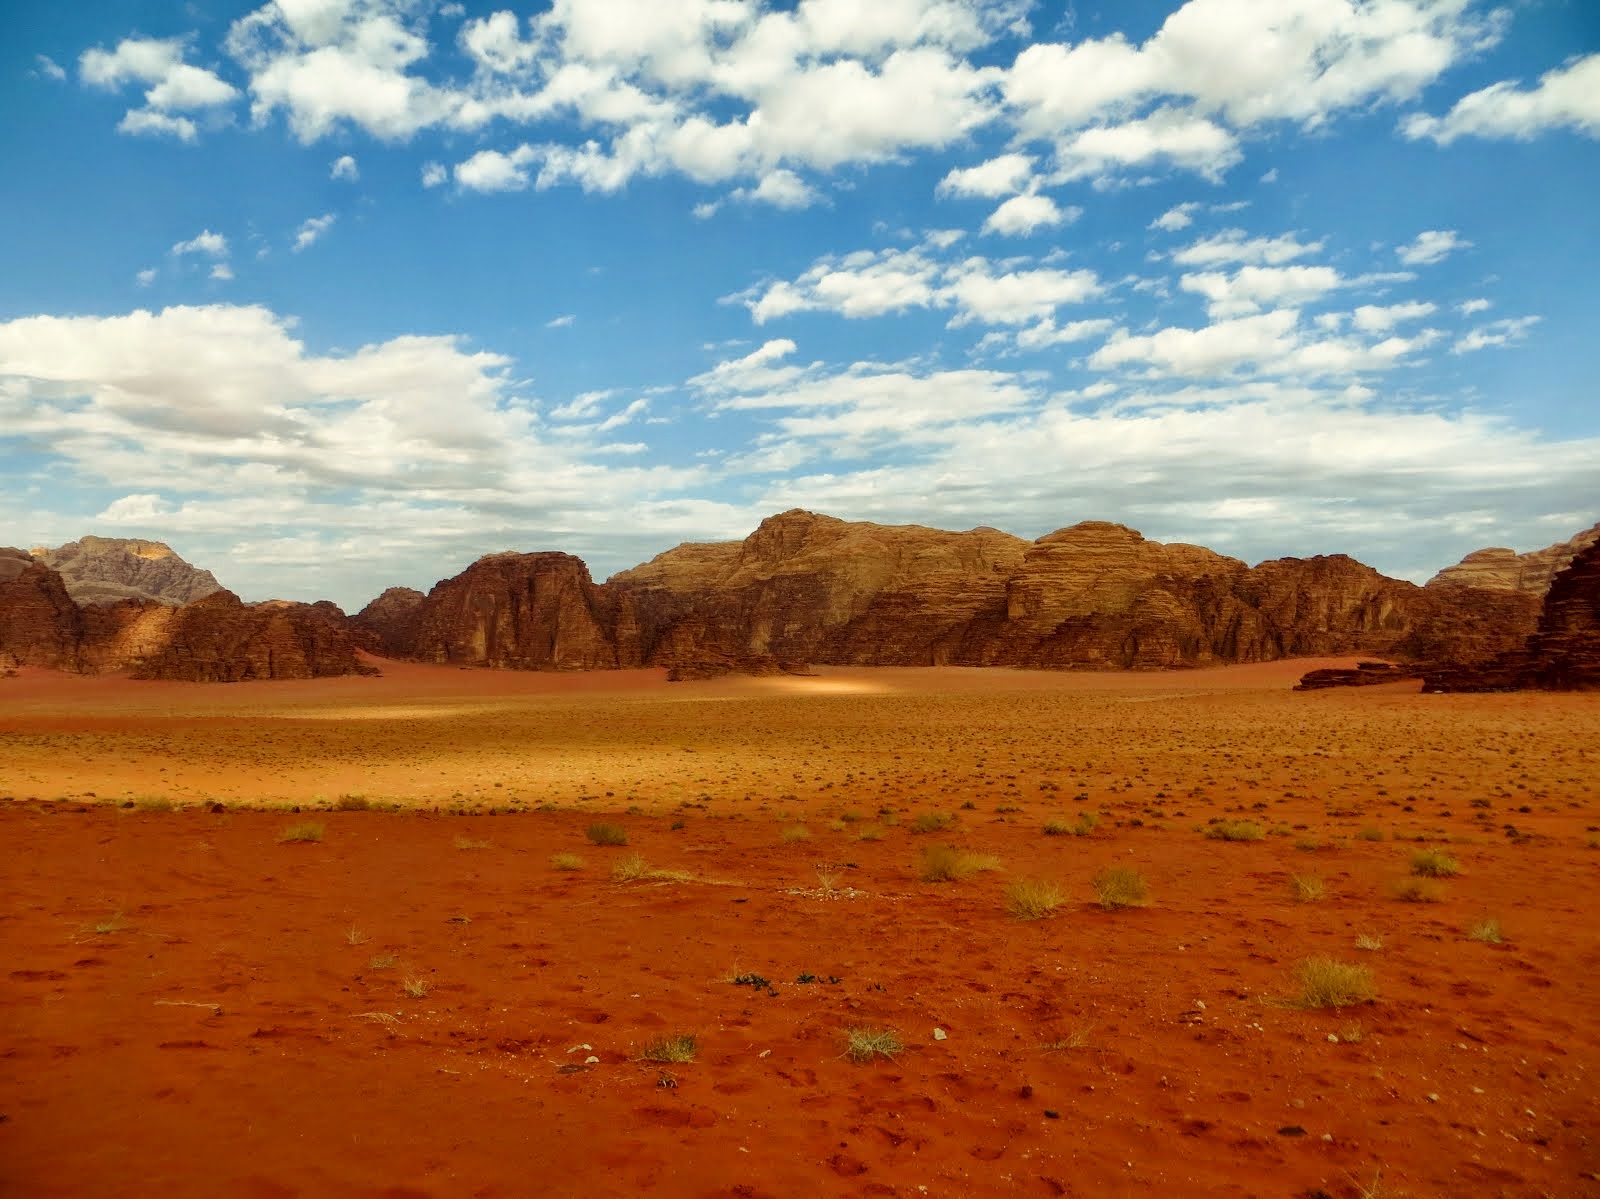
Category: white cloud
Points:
column 143, row 121
column 1566, row 98
column 996, row 177
column 1430, row 246
column 1370, row 318
column 146, row 277
column 564, row 321
column 1255, row 287
column 222, row 272
column 49, row 67
column 1469, row 307
column 1025, row 214
column 1234, row 245
column 780, row 189
column 434, row 174
column 205, row 242
column 310, row 230
column 1176, row 218
column 1496, row 333
column 344, row 167
column 492, row 171
column 175, row 87
column 1170, row 137
column 1271, row 176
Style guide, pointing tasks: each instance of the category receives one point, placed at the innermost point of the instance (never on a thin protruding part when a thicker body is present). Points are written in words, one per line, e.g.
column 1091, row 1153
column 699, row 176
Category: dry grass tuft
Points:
column 1434, row 863
column 932, row 822
column 1306, row 888
column 354, row 936
column 675, row 1047
column 946, row 864
column 607, row 834
column 566, row 861
column 1486, row 930
column 1078, row 1038
column 1325, row 982
column 634, row 869
column 795, row 833
column 416, row 988
column 352, row 803
column 869, row 832
column 1118, row 887
column 296, row 833
column 1235, row 830
column 863, row 1044
column 471, row 843
column 383, row 961
column 1060, row 826
column 1418, row 890
column 1034, row 899
column 1369, row 942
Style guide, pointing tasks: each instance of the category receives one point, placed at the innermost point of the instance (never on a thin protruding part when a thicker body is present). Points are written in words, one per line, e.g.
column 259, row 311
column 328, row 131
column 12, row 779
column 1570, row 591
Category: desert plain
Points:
column 353, row 936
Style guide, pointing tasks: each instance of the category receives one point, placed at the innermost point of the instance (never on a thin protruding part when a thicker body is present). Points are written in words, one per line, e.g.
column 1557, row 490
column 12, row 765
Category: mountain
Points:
column 103, row 570
column 1563, row 654
column 1499, row 569
column 809, row 588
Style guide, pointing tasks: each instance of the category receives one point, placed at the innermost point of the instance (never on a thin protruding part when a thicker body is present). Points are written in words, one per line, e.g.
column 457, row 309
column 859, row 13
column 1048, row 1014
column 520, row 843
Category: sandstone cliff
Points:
column 1500, row 569
column 1563, row 654
column 388, row 625
column 807, row 588
column 214, row 639
column 104, row 570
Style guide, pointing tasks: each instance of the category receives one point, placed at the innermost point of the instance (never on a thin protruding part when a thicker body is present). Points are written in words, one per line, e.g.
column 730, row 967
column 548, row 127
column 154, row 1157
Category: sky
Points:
column 334, row 295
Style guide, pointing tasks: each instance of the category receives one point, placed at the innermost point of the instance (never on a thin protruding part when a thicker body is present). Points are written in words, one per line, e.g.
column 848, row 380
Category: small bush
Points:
column 633, row 868
column 795, row 833
column 1325, row 982
column 383, row 961
column 352, row 803
column 1032, row 899
column 471, row 843
column 869, row 832
column 864, row 1044
column 1118, row 887
column 1486, row 930
column 1235, row 830
column 416, row 988
column 1060, row 826
column 674, row 1047
column 946, row 864
column 566, row 861
column 607, row 834
column 1306, row 888
column 1418, row 890
column 932, row 822
column 1434, row 863
column 1370, row 942
column 154, row 804
column 309, row 831
column 1370, row 834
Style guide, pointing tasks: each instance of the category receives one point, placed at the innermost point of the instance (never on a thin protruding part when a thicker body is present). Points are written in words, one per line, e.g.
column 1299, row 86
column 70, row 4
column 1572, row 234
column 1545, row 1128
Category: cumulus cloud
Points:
column 991, row 179
column 1565, row 98
column 205, row 242
column 434, row 174
column 175, row 87
column 1177, row 218
column 1431, row 246
column 1235, row 245
column 49, row 67
column 1496, row 333
column 1027, row 214
column 344, row 167
column 311, row 230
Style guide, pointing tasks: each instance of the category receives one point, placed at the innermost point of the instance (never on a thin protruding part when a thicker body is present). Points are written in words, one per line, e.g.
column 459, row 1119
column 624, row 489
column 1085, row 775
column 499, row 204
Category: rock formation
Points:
column 104, row 570
column 1500, row 569
column 813, row 589
column 1563, row 654
column 388, row 625
column 214, row 639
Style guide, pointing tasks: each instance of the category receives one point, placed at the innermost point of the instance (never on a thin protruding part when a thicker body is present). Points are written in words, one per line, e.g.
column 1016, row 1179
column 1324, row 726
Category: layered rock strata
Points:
column 104, row 570
column 1499, row 569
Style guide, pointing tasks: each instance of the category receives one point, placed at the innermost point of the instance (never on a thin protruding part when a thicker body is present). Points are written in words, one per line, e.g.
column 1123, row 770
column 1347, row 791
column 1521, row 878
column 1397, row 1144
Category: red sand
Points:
column 315, row 1074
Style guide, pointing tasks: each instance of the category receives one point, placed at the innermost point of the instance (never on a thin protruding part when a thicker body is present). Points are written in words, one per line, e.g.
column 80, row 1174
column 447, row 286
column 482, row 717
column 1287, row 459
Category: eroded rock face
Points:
column 214, row 639
column 1563, row 654
column 805, row 588
column 388, row 625
column 105, row 570
column 1499, row 569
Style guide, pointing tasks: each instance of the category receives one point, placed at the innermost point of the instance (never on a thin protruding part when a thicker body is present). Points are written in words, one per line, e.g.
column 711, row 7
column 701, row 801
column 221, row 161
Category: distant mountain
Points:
column 1501, row 569
column 103, row 570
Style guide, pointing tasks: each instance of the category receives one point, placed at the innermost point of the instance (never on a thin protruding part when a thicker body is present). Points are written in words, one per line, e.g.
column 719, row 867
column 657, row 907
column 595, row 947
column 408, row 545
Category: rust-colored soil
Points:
column 190, row 1006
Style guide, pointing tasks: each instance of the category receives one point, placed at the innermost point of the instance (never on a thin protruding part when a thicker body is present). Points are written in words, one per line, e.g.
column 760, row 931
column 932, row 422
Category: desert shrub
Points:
column 352, row 803
column 472, row 843
column 416, row 988
column 154, row 803
column 383, row 961
column 1370, row 942
column 633, row 868
column 308, row 831
column 864, row 1044
column 869, row 832
column 1418, row 890
column 932, row 822
column 1306, row 888
column 1235, row 830
column 794, row 833
column 1434, row 863
column 1486, row 930
column 1060, row 826
column 1118, row 887
column 566, row 861
column 1370, row 834
column 676, row 1047
column 1325, row 982
column 1033, row 899
column 946, row 864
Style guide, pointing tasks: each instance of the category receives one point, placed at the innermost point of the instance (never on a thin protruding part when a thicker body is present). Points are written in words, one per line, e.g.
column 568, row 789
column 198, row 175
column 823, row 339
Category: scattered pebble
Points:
column 939, row 1034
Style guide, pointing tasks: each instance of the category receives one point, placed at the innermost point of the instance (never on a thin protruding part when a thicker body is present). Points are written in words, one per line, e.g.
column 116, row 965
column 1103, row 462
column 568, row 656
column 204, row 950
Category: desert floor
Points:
column 420, row 1003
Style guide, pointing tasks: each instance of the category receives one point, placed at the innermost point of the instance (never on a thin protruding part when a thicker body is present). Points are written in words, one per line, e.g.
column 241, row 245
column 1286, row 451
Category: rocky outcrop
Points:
column 105, row 570
column 1366, row 674
column 1563, row 654
column 525, row 612
column 1499, row 569
column 805, row 588
column 388, row 625
column 215, row 639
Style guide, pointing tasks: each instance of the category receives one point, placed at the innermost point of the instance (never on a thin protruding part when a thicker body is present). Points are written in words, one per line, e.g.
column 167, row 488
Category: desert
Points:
column 417, row 998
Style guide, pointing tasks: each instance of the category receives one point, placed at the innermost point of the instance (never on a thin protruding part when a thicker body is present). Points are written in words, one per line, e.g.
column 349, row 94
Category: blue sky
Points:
column 339, row 294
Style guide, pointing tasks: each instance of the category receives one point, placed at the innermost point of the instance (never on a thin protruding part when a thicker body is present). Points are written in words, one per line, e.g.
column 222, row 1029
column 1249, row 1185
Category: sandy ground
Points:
column 190, row 1006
